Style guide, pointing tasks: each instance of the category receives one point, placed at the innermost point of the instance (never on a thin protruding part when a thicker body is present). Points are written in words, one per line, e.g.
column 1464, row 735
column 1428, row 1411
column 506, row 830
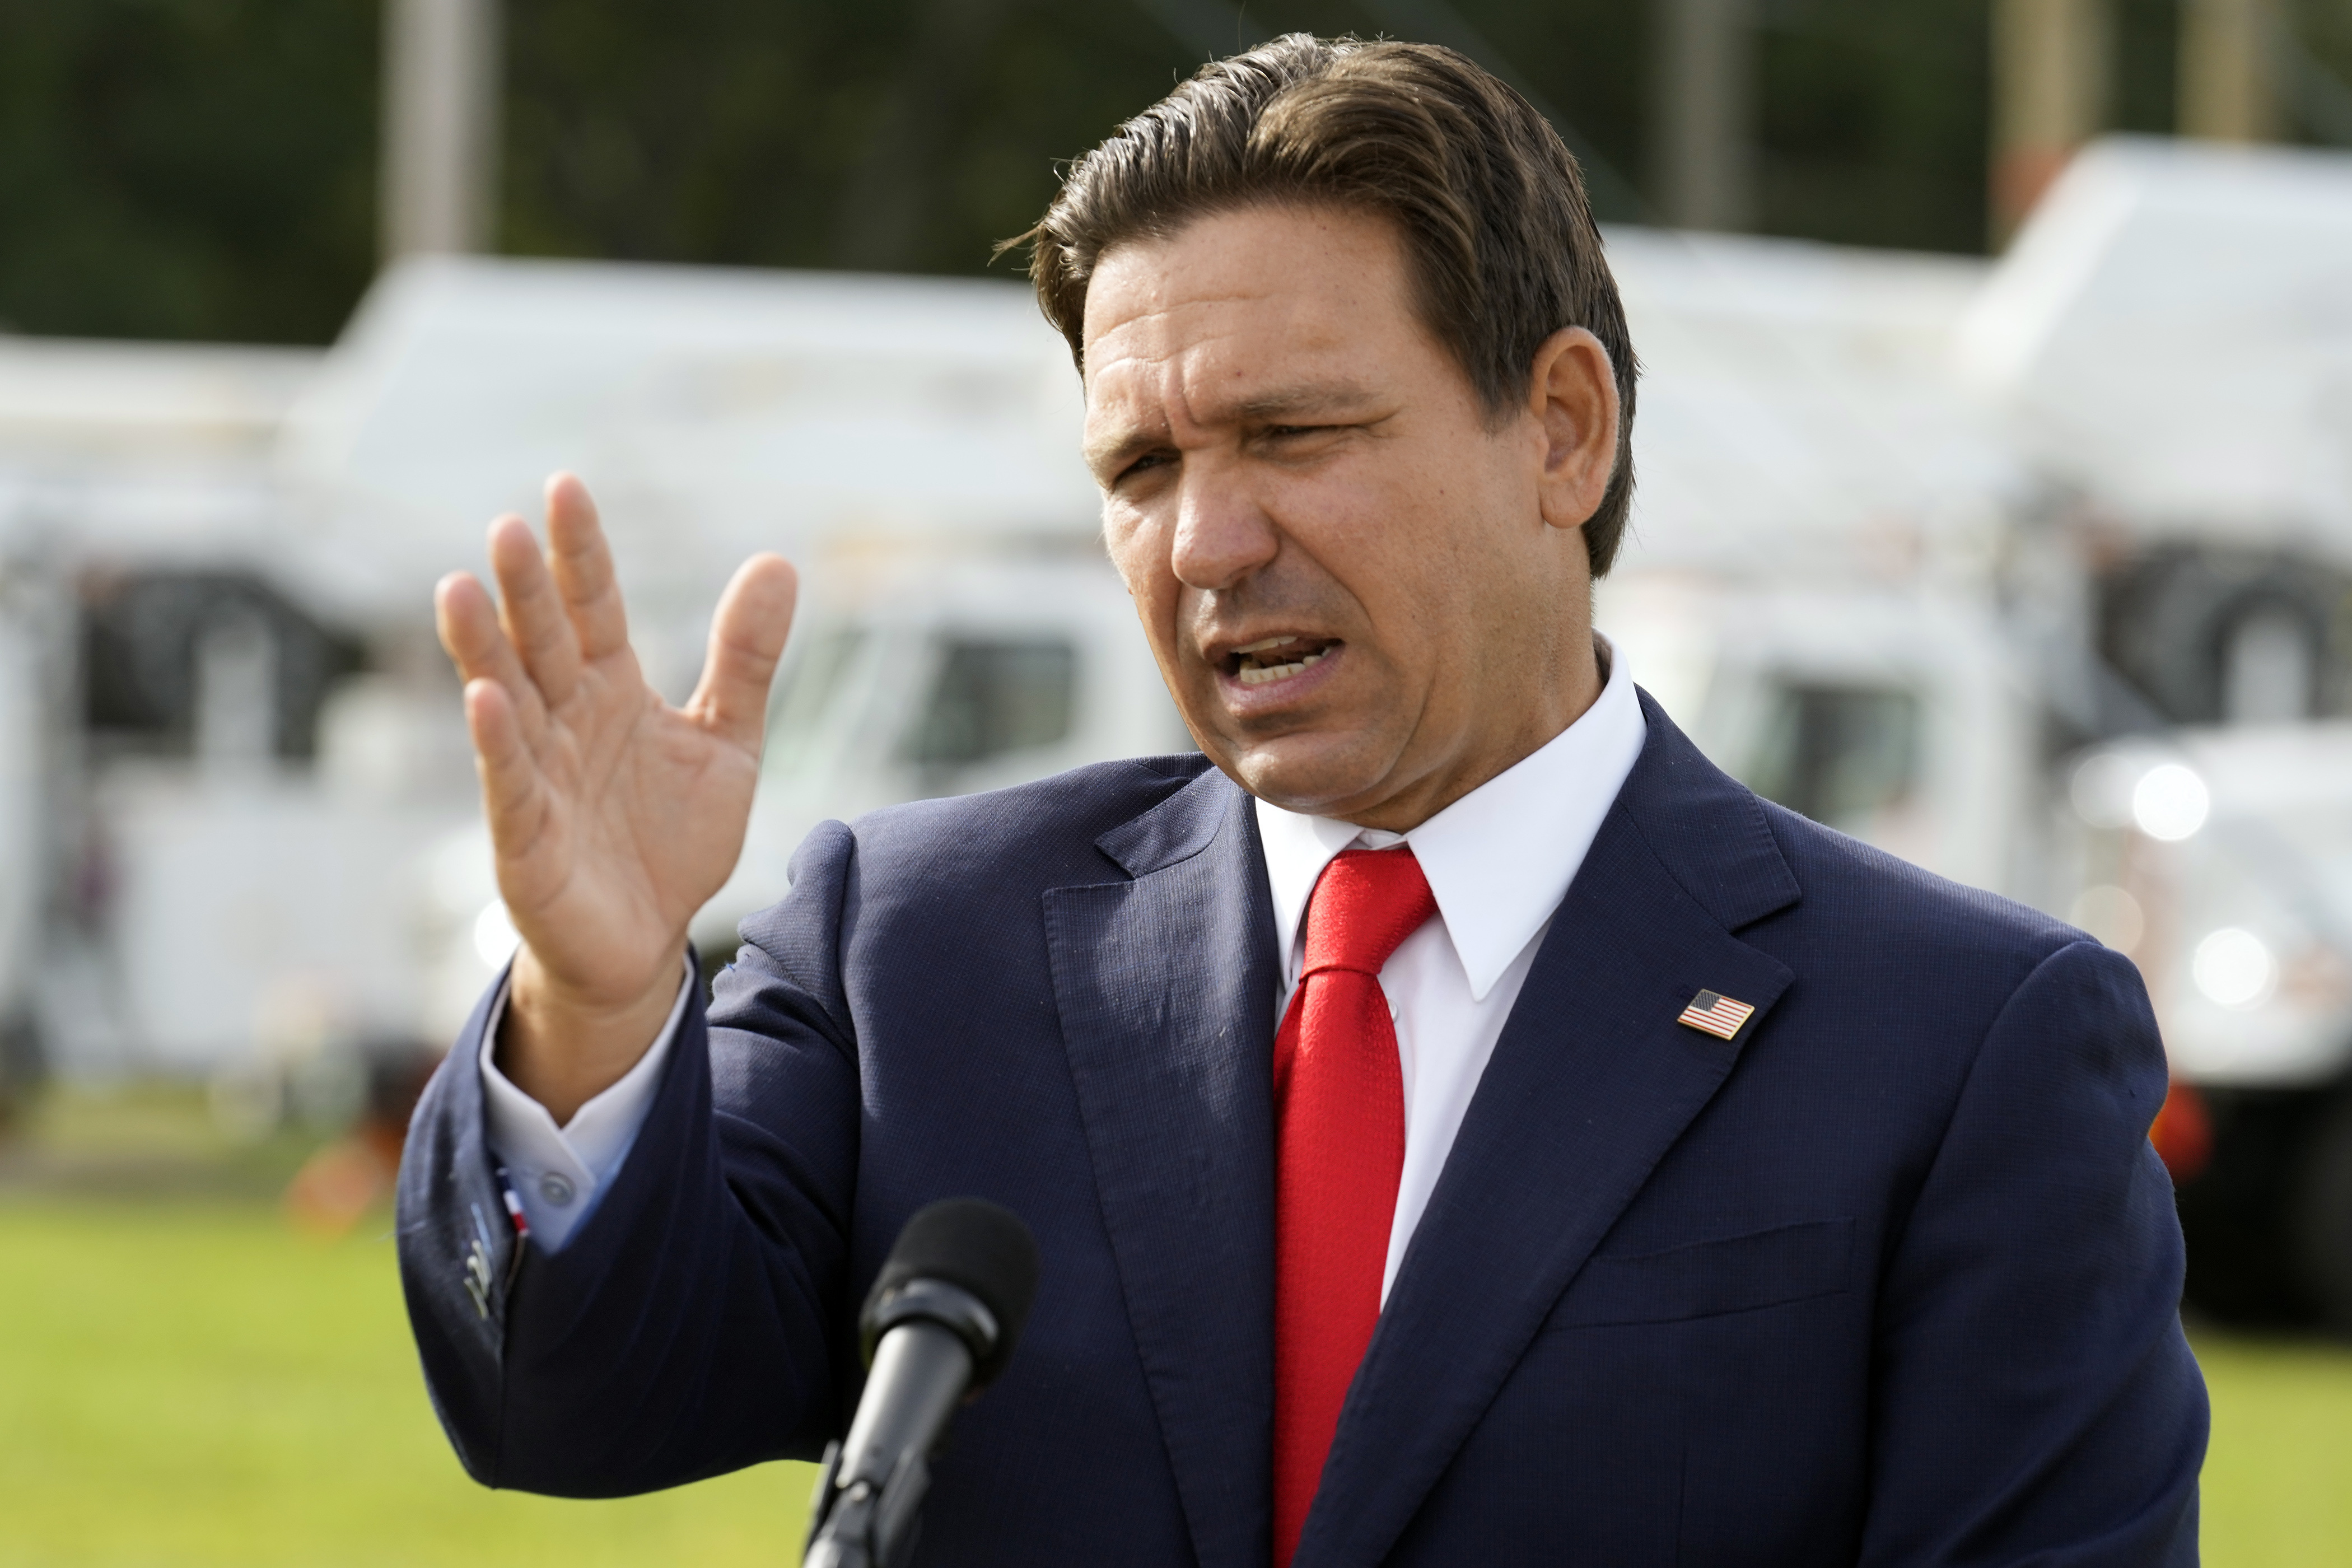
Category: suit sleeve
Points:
column 2036, row 1400
column 695, row 1322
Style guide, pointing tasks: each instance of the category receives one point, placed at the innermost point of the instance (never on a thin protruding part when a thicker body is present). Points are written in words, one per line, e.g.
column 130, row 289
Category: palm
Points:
column 637, row 820
column 613, row 816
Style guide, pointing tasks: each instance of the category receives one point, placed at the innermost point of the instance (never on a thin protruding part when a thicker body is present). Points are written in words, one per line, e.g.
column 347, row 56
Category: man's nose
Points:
column 1223, row 534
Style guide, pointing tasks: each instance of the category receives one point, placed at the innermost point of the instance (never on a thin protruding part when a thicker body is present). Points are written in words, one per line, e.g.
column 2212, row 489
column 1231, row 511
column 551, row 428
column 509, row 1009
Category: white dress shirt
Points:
column 1499, row 860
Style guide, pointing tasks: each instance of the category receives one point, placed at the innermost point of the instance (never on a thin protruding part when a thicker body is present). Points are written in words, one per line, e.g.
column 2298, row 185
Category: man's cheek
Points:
column 1136, row 540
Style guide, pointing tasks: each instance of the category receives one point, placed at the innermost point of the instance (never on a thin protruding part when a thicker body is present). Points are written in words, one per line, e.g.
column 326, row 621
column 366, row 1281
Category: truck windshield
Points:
column 1844, row 755
column 993, row 696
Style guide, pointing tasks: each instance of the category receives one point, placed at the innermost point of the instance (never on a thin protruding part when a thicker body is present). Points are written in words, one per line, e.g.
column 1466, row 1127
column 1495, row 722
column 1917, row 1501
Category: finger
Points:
column 468, row 625
column 532, row 612
column 514, row 798
column 747, row 637
column 583, row 569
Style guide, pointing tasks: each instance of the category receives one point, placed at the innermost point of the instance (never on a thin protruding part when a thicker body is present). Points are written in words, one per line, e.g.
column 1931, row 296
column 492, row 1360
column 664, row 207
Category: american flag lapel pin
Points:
column 1715, row 1014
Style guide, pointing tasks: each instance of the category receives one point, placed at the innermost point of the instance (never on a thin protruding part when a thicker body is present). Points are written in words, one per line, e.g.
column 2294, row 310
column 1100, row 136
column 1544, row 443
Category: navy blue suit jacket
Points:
column 1890, row 1277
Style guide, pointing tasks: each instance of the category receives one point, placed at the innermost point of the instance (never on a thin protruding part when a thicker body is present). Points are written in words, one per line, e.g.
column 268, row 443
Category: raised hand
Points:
column 615, row 816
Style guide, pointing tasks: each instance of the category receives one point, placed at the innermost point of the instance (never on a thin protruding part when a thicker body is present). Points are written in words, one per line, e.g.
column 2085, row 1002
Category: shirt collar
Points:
column 1500, row 858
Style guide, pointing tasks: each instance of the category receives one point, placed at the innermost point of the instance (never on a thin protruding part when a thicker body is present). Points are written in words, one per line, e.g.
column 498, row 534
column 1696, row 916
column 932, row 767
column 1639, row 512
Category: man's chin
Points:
column 1319, row 775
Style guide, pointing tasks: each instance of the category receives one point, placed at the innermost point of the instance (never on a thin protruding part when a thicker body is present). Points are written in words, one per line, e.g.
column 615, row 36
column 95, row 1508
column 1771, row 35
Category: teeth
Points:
column 1265, row 643
column 1256, row 676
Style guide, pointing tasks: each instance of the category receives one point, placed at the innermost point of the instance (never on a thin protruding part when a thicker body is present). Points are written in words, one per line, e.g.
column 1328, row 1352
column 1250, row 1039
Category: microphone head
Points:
column 978, row 1246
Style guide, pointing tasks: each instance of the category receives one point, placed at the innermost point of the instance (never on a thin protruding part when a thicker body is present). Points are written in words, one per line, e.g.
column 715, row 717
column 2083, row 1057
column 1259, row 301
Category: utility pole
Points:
column 1703, row 113
column 2050, row 69
column 438, row 179
column 2228, row 87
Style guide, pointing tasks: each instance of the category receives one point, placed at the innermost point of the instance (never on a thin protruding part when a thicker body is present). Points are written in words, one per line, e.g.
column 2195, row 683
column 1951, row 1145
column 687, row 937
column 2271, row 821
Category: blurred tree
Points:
column 186, row 168
column 903, row 134
column 899, row 135
column 206, row 168
column 1876, row 120
column 2147, row 34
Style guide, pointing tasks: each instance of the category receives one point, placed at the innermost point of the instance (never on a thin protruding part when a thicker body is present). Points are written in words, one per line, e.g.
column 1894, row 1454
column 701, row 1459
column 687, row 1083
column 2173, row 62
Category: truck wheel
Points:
column 2323, row 1230
column 2239, row 1213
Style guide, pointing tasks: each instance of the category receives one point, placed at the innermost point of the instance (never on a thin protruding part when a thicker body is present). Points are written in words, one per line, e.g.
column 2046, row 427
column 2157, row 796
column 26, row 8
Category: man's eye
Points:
column 1145, row 464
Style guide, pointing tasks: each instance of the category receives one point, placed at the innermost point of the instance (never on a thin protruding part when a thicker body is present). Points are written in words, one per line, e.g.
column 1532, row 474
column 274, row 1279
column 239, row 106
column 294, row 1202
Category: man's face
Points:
column 1343, row 563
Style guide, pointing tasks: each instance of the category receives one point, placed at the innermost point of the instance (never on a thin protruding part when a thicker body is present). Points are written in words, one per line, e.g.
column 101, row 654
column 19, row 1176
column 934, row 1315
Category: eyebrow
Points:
column 1266, row 408
column 1107, row 459
column 1270, row 405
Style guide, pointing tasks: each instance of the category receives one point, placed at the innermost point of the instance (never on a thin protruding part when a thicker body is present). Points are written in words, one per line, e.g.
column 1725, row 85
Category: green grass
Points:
column 192, row 1383
column 2278, row 1477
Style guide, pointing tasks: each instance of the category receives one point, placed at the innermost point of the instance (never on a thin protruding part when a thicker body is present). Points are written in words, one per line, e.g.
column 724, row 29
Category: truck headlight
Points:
column 2170, row 803
column 2234, row 968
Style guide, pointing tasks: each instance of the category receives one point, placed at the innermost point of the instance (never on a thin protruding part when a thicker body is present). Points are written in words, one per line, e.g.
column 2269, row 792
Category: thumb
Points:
column 747, row 637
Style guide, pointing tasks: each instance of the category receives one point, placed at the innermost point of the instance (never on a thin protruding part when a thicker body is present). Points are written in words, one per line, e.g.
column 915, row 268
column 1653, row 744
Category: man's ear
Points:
column 1572, row 392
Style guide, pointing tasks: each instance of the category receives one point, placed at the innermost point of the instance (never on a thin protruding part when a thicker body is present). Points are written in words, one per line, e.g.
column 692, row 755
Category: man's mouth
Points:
column 1276, row 658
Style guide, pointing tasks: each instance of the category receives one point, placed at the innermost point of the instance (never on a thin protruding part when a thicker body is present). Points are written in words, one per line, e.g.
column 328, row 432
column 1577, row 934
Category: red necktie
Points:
column 1338, row 1119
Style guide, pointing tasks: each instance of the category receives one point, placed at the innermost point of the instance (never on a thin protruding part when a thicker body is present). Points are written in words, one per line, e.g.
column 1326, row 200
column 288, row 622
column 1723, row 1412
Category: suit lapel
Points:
column 1165, row 985
column 1591, row 1083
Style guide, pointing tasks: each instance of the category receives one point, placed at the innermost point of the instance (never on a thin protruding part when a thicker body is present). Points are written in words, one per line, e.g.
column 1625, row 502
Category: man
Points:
column 1461, row 1125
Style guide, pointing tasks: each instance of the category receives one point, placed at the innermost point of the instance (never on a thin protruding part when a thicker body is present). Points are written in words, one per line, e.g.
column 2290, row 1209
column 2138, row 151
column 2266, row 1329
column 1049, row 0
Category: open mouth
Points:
column 1276, row 658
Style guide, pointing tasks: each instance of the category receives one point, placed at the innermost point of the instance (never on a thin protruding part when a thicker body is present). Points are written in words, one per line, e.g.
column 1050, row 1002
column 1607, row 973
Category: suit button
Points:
column 556, row 1188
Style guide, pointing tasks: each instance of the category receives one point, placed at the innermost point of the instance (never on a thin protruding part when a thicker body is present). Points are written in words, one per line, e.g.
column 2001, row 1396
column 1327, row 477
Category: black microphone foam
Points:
column 980, row 1247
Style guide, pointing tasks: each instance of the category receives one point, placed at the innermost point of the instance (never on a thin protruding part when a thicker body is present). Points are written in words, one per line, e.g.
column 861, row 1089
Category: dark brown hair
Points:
column 1490, row 203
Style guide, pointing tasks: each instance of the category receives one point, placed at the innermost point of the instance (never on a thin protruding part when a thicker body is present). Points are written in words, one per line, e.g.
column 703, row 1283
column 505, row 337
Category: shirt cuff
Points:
column 558, row 1173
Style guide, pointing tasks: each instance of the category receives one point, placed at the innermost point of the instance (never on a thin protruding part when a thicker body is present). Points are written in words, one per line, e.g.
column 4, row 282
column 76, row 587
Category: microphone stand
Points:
column 863, row 1526
column 866, row 1509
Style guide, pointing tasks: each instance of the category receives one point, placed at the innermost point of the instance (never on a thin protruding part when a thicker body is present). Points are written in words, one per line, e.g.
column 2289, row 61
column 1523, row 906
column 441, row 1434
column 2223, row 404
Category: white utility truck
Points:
column 2170, row 343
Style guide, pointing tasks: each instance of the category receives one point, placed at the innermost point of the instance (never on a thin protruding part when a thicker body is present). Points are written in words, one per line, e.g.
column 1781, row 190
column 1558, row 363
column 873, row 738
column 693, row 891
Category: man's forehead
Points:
column 1243, row 315
column 1148, row 329
column 1265, row 268
column 1231, row 359
column 1225, row 359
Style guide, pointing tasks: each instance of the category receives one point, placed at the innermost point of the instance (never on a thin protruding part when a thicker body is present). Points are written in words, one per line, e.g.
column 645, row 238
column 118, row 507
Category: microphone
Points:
column 940, row 1322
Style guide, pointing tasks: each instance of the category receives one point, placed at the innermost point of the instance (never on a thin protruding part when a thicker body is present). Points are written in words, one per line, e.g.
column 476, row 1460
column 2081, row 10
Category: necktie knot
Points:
column 1363, row 907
